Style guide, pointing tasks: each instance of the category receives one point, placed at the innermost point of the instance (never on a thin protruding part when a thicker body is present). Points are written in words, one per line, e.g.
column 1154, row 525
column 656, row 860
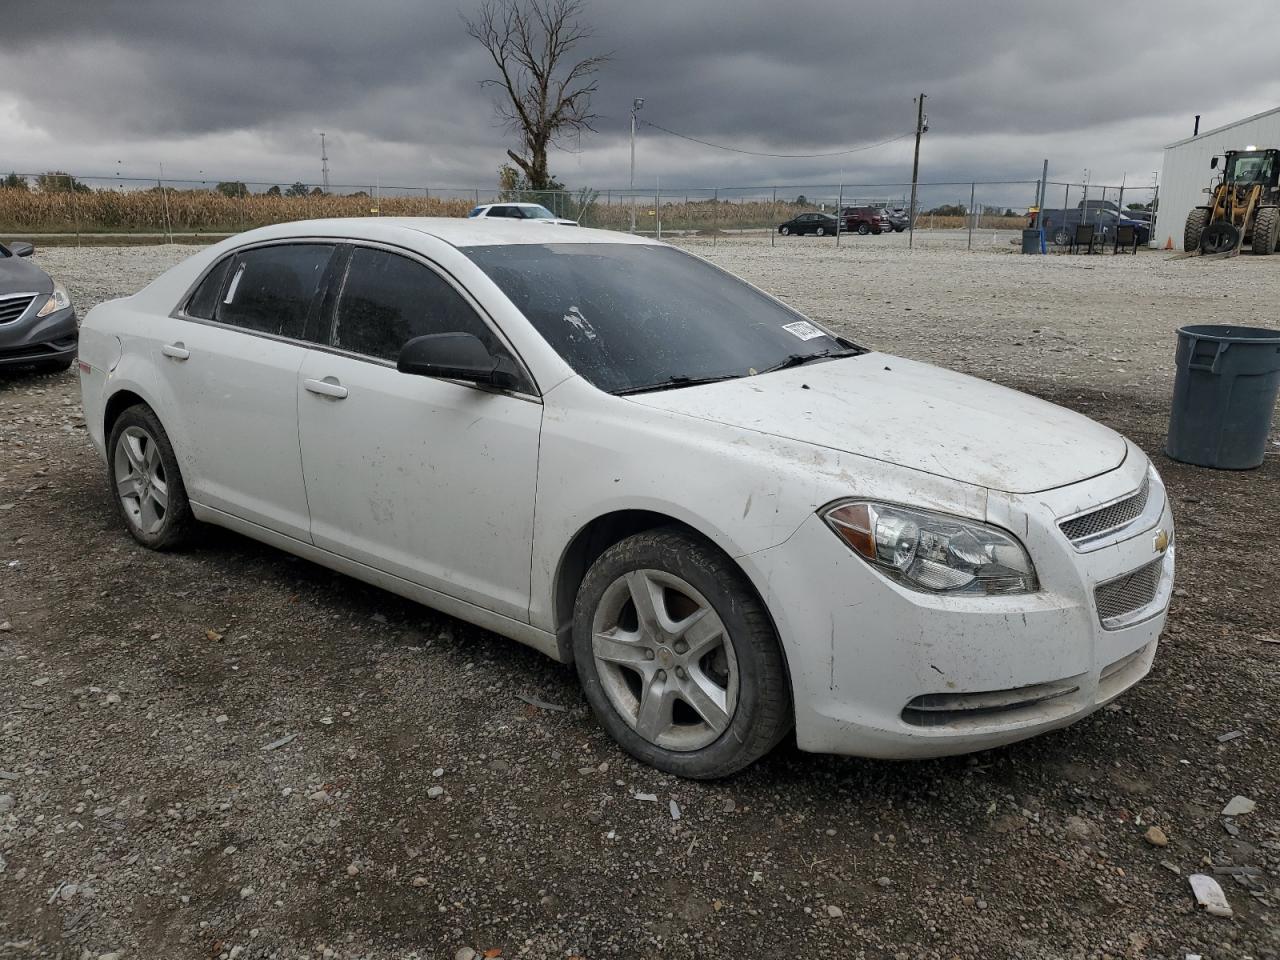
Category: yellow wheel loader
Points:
column 1245, row 206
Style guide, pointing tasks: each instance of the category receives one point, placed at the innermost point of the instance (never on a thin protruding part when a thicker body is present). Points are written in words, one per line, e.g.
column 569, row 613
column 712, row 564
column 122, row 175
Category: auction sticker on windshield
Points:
column 802, row 329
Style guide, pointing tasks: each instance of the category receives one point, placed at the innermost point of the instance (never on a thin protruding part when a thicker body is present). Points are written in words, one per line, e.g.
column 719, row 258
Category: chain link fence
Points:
column 66, row 203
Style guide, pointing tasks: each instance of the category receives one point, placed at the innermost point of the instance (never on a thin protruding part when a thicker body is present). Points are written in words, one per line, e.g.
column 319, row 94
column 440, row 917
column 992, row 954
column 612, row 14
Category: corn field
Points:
column 210, row 212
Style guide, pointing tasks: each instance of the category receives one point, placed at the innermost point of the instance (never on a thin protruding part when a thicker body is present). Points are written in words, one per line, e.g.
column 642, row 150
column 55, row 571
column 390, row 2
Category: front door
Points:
column 430, row 480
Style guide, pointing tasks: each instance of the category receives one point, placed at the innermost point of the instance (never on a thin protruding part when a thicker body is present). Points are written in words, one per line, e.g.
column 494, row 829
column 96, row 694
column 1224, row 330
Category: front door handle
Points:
column 328, row 387
column 175, row 350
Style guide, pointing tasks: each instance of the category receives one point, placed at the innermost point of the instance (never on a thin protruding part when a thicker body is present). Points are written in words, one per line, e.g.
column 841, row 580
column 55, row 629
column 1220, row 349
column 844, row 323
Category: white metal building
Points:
column 1186, row 171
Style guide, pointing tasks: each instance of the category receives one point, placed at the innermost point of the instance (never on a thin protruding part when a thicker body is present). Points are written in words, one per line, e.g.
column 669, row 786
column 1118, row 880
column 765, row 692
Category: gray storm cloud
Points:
column 240, row 88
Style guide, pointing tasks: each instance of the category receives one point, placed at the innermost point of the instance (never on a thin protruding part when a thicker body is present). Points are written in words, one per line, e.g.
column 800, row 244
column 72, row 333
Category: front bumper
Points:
column 30, row 339
column 881, row 671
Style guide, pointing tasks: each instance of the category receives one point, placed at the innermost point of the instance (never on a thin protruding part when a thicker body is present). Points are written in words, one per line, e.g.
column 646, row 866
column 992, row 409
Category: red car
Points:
column 865, row 220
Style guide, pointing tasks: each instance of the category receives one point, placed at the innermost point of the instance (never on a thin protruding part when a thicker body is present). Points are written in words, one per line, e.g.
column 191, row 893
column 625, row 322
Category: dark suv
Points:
column 865, row 220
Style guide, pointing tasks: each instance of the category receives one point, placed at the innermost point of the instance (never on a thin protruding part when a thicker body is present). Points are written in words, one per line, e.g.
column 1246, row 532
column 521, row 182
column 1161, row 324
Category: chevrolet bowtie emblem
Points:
column 1161, row 542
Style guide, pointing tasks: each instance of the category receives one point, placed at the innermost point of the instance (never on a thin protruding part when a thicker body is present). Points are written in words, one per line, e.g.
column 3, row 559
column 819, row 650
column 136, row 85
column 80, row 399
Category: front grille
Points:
column 1108, row 519
column 11, row 308
column 1125, row 595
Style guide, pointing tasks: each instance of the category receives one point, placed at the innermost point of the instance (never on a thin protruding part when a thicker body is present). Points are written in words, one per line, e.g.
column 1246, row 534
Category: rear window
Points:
column 271, row 289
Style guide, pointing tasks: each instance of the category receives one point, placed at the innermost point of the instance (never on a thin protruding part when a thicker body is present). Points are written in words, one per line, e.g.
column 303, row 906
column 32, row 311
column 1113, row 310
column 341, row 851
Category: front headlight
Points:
column 58, row 300
column 933, row 552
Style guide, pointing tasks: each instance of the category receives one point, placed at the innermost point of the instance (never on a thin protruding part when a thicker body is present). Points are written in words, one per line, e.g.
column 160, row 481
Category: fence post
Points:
column 973, row 214
column 75, row 210
column 715, row 217
column 657, row 208
column 839, row 214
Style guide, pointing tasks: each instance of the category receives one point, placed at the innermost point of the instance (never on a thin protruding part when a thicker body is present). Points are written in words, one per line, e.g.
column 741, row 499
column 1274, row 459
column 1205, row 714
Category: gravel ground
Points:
column 152, row 803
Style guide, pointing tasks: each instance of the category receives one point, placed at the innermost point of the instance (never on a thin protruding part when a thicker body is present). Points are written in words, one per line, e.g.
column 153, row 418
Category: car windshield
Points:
column 476, row 211
column 633, row 317
column 536, row 211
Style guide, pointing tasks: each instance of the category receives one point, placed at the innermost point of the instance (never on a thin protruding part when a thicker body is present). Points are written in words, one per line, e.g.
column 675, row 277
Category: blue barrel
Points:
column 1224, row 395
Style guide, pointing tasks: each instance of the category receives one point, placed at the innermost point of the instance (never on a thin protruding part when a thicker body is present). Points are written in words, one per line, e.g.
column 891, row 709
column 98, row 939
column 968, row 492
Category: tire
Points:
column 1265, row 226
column 785, row 231
column 820, row 231
column 863, row 229
column 738, row 675
column 1061, row 237
column 55, row 366
column 1197, row 220
column 154, row 506
column 899, row 229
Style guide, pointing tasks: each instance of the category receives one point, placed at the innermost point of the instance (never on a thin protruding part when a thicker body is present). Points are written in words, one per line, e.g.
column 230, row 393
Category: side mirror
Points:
column 20, row 248
column 1213, row 164
column 456, row 356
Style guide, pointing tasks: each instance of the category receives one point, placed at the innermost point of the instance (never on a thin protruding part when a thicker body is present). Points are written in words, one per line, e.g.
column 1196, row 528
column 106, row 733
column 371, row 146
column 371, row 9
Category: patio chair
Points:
column 1127, row 237
column 1083, row 237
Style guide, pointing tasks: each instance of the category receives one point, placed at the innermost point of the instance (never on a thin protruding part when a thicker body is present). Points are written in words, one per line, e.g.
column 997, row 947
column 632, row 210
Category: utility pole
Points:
column 915, row 170
column 636, row 104
column 324, row 165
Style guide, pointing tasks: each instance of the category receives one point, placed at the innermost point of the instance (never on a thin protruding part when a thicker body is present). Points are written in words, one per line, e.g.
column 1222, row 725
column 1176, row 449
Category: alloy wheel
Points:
column 665, row 660
column 140, row 480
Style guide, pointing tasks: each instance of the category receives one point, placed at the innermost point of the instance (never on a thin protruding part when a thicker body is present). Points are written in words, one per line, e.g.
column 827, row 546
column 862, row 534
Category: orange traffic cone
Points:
column 1168, row 243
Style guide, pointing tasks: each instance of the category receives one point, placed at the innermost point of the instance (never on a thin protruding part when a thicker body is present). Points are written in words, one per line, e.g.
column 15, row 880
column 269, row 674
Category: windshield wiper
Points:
column 800, row 359
column 673, row 383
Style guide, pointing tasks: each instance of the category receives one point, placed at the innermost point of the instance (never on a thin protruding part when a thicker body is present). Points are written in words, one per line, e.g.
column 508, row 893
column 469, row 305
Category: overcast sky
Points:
column 240, row 90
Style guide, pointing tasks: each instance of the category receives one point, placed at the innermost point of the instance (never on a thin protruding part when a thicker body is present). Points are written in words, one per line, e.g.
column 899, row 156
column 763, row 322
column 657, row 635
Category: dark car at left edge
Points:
column 38, row 324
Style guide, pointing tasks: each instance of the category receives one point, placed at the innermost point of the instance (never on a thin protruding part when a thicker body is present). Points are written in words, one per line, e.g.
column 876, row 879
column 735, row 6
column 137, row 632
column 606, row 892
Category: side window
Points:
column 205, row 299
column 388, row 300
column 271, row 288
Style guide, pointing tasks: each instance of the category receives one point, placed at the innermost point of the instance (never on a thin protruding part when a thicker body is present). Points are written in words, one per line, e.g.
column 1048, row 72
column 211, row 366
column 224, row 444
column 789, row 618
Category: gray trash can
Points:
column 1224, row 394
column 1033, row 240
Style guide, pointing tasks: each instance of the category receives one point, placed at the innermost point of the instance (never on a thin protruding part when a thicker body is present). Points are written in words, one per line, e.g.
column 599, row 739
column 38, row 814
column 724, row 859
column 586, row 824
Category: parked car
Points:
column 520, row 211
column 823, row 224
column 37, row 320
column 731, row 519
column 898, row 219
column 1060, row 225
column 865, row 220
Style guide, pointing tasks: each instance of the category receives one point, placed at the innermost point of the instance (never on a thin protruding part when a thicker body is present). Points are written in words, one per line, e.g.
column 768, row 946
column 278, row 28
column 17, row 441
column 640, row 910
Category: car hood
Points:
column 913, row 415
column 20, row 275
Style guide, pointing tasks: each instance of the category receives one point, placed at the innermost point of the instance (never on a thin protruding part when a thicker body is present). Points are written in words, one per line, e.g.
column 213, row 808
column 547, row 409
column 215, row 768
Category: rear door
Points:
column 430, row 480
column 231, row 367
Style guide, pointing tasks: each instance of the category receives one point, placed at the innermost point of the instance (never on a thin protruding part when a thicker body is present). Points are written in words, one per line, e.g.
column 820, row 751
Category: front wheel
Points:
column 863, row 229
column 1265, row 226
column 678, row 658
column 1062, row 237
column 145, row 482
column 785, row 231
column 1197, row 220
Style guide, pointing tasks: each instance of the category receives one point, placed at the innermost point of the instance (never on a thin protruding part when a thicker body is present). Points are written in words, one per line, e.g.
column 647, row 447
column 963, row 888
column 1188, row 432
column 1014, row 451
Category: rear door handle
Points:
column 328, row 387
column 175, row 350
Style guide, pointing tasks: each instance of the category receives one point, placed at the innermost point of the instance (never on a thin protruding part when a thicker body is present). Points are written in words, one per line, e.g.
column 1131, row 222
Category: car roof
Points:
column 458, row 231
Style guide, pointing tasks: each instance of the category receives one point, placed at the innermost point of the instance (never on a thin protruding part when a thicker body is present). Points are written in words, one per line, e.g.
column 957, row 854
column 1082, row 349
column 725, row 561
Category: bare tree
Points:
column 545, row 94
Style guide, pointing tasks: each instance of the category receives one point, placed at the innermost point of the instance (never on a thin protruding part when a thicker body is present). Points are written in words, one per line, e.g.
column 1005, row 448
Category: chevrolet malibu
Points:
column 733, row 521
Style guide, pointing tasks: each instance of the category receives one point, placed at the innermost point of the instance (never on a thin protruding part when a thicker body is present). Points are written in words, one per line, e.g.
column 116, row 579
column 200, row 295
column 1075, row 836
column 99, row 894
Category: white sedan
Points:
column 520, row 211
column 733, row 521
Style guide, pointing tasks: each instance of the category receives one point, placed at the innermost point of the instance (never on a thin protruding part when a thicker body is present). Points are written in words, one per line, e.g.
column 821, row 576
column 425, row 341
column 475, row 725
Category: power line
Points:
column 789, row 156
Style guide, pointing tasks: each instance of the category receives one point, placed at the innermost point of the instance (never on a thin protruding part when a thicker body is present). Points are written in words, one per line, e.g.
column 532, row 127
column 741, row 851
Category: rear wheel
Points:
column 677, row 656
column 1197, row 220
column 1265, row 226
column 145, row 483
column 821, row 231
column 1062, row 236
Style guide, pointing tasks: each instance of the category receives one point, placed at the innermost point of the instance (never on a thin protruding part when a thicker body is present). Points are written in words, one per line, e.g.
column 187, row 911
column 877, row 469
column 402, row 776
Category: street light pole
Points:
column 915, row 171
column 636, row 104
